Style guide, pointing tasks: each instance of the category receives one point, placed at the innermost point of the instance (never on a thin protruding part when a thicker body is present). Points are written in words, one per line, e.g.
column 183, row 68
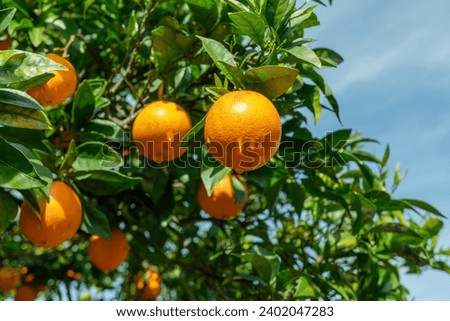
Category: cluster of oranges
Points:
column 242, row 132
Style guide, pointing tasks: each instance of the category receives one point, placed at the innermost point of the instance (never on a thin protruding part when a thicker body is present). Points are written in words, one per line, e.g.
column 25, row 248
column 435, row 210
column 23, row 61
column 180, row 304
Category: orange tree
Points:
column 319, row 219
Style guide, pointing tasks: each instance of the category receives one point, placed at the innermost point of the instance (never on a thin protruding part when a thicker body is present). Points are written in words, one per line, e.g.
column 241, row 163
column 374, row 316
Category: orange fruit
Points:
column 243, row 130
column 106, row 254
column 26, row 293
column 222, row 202
column 60, row 87
column 5, row 43
column 158, row 130
column 59, row 219
column 9, row 278
column 150, row 289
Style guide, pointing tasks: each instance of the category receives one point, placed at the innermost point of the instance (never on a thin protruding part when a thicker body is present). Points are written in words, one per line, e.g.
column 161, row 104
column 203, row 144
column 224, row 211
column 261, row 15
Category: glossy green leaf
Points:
column 278, row 12
column 271, row 81
column 24, row 66
column 17, row 172
column 6, row 16
column 250, row 24
column 239, row 191
column 304, row 54
column 95, row 221
column 217, row 51
column 328, row 57
column 211, row 171
column 8, row 210
column 18, row 109
column 32, row 82
column 96, row 156
column 423, row 205
column 194, row 131
column 305, row 288
column 83, row 105
column 70, row 157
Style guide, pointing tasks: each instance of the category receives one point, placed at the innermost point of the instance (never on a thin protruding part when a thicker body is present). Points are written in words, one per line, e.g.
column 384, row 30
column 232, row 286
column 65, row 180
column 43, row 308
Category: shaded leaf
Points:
column 250, row 24
column 212, row 172
column 8, row 210
column 83, row 105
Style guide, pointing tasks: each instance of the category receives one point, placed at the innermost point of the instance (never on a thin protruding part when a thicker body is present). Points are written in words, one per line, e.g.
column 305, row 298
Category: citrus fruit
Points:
column 107, row 255
column 222, row 202
column 26, row 293
column 5, row 43
column 158, row 130
column 9, row 278
column 243, row 130
column 60, row 87
column 59, row 219
column 148, row 287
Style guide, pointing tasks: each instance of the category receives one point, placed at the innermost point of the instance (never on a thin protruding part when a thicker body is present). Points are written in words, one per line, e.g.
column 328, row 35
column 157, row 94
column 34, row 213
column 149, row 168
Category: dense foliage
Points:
column 321, row 221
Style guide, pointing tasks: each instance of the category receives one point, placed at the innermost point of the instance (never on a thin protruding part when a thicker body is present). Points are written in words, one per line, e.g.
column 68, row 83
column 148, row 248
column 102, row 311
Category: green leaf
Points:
column 324, row 88
column 224, row 60
column 250, row 24
column 305, row 54
column 8, row 210
column 94, row 156
column 205, row 11
column 328, row 57
column 233, row 73
column 347, row 241
column 36, row 34
column 386, row 155
column 6, row 16
column 95, row 221
column 31, row 65
column 211, row 171
column 271, row 81
column 239, row 191
column 266, row 266
column 71, row 156
column 104, row 182
column 278, row 12
column 273, row 192
column 191, row 134
column 32, row 82
column 296, row 195
column 311, row 95
column 337, row 139
column 305, row 288
column 433, row 226
column 18, row 109
column 16, row 171
column 83, row 105
column 423, row 205
column 102, row 129
column 169, row 46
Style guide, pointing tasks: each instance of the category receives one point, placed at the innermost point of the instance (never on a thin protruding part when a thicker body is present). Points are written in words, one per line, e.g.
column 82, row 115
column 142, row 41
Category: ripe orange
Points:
column 222, row 202
column 106, row 254
column 243, row 130
column 59, row 219
column 9, row 278
column 26, row 293
column 148, row 290
column 60, row 87
column 4, row 44
column 158, row 130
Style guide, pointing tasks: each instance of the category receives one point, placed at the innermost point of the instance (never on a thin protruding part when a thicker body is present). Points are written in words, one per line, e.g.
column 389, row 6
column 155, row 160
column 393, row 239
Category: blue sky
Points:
column 394, row 86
